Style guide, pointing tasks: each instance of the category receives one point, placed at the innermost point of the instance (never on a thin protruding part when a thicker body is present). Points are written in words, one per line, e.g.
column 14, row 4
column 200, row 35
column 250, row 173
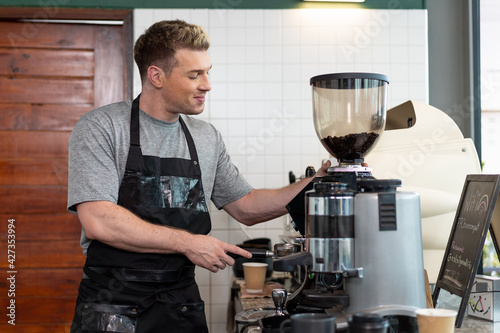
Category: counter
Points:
column 239, row 302
column 445, row 300
column 469, row 324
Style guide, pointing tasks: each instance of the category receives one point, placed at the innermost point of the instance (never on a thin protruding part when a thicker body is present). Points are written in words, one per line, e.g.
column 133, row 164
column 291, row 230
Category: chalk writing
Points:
column 456, row 247
column 476, row 202
column 470, row 202
column 464, row 225
column 459, row 261
column 482, row 206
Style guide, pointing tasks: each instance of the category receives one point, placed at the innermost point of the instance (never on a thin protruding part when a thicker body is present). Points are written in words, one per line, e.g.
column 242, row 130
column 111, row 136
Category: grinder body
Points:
column 390, row 253
column 372, row 238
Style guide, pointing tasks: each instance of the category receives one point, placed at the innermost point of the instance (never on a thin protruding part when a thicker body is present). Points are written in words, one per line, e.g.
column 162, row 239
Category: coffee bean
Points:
column 350, row 147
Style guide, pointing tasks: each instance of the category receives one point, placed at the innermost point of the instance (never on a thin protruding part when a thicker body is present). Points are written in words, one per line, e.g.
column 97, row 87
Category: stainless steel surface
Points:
column 331, row 255
column 330, row 205
column 246, row 319
column 279, row 299
column 285, row 249
column 330, row 219
column 392, row 260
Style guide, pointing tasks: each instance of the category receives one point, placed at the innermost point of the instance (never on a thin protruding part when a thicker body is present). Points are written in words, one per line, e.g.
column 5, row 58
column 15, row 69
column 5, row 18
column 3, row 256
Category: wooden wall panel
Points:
column 31, row 328
column 53, row 117
column 49, row 91
column 52, row 171
column 45, row 35
column 44, row 282
column 57, row 253
column 62, row 226
column 42, row 310
column 50, row 75
column 33, row 199
column 21, row 144
column 63, row 63
column 107, row 88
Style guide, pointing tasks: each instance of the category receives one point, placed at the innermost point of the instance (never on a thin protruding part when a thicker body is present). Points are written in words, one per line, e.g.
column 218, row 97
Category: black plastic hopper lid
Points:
column 353, row 75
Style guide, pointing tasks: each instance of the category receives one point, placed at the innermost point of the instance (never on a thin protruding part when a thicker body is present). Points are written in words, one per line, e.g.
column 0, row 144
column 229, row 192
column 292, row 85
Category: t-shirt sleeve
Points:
column 92, row 171
column 229, row 185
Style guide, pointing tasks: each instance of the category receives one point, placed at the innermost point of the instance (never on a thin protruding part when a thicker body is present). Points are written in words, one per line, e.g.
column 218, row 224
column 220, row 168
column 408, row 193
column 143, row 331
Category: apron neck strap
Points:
column 190, row 141
column 135, row 139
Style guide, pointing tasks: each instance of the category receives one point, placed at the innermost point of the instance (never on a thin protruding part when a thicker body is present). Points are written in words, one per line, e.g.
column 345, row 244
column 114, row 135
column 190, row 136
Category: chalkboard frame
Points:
column 495, row 227
column 441, row 283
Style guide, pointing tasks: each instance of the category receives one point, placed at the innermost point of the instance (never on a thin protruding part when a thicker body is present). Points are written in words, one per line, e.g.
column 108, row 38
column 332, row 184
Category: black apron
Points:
column 141, row 292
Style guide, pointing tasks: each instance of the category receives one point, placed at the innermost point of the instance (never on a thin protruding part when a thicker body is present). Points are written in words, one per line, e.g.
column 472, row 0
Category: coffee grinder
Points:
column 363, row 250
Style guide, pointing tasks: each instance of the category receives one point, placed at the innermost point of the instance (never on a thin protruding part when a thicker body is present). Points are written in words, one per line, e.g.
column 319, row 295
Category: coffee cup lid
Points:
column 366, row 320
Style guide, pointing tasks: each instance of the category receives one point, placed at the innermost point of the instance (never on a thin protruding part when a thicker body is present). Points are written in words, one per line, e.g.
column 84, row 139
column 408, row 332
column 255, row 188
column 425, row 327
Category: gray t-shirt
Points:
column 99, row 145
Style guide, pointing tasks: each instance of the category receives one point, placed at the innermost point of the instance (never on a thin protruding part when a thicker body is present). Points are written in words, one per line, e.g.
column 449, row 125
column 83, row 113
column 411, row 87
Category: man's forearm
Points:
column 263, row 205
column 114, row 225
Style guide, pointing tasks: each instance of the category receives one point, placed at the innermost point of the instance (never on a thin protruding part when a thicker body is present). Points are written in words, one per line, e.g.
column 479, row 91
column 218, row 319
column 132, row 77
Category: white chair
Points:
column 423, row 147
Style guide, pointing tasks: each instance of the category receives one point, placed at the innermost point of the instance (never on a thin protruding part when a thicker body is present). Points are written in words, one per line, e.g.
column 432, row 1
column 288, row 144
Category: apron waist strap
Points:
column 141, row 275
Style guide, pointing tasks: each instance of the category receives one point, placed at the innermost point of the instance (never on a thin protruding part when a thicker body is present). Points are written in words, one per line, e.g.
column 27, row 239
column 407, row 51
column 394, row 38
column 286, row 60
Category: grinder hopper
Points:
column 349, row 112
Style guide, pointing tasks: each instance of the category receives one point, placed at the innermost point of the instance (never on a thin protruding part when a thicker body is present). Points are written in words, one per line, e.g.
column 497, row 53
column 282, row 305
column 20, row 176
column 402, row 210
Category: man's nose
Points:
column 205, row 84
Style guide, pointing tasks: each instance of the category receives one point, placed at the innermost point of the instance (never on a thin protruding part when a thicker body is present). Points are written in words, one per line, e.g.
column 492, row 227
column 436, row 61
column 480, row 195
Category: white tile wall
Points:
column 261, row 100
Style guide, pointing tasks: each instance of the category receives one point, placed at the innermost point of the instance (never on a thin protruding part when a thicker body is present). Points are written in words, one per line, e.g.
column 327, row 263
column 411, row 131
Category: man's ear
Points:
column 155, row 76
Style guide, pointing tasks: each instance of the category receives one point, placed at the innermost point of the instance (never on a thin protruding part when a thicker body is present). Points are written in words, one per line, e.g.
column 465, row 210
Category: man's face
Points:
column 186, row 87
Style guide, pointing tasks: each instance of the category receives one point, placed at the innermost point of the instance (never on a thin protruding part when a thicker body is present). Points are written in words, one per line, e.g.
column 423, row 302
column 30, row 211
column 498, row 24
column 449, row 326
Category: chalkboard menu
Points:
column 465, row 245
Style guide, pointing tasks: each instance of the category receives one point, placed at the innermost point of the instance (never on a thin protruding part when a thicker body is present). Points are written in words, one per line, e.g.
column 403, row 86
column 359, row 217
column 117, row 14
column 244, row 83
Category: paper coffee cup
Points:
column 255, row 276
column 436, row 320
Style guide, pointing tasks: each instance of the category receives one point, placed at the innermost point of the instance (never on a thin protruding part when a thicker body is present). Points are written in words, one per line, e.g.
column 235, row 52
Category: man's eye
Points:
column 194, row 76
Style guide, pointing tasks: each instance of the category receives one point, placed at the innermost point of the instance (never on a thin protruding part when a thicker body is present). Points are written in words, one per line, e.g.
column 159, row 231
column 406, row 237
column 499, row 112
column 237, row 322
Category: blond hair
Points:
column 158, row 44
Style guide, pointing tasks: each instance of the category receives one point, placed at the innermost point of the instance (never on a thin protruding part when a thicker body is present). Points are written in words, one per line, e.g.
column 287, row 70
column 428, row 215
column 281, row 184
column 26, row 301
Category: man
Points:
column 140, row 177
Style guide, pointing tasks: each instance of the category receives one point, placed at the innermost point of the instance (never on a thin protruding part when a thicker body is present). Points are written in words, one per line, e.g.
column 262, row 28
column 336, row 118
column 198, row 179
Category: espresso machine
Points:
column 363, row 239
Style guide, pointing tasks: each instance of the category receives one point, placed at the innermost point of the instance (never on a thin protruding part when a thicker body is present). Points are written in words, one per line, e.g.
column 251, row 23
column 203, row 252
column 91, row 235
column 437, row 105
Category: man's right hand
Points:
column 210, row 253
